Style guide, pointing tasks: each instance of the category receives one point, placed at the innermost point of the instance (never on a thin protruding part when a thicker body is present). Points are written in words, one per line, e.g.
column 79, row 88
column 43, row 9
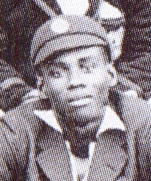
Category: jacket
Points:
column 31, row 150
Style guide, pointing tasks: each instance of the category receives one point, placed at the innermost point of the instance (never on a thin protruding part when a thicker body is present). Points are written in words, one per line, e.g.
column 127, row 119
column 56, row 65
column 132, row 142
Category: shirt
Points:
column 81, row 166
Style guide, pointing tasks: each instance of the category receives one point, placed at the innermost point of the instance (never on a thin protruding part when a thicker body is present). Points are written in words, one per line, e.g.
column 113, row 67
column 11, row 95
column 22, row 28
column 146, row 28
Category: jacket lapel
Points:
column 54, row 159
column 109, row 157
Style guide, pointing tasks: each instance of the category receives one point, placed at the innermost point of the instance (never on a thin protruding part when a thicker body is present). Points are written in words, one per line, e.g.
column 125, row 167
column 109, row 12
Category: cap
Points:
column 66, row 32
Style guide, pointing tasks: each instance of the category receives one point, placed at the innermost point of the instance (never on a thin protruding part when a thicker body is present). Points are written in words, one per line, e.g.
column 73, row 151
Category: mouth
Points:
column 80, row 101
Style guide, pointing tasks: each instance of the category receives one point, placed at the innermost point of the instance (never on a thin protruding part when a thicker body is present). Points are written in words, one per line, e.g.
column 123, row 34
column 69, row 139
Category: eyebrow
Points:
column 59, row 64
column 84, row 59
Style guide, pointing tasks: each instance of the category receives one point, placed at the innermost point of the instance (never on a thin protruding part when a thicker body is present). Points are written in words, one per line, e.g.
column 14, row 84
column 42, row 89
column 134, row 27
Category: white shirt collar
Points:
column 110, row 121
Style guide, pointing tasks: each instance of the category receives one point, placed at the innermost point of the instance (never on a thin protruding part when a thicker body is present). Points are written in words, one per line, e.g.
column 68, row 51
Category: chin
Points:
column 84, row 117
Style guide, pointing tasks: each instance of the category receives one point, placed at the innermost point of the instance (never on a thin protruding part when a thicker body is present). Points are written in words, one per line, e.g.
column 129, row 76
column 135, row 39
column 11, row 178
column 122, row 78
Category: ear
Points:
column 112, row 74
column 40, row 87
column 39, row 82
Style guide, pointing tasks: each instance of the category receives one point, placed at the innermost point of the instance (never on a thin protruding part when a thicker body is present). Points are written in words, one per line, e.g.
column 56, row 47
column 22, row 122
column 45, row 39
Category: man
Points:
column 85, row 137
column 15, row 45
column 26, row 17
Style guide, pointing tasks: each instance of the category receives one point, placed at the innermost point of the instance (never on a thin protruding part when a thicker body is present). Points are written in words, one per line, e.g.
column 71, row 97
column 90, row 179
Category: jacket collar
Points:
column 110, row 121
column 53, row 158
column 109, row 157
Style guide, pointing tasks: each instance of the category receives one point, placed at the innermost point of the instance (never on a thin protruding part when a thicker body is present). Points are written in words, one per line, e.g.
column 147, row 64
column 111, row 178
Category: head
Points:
column 113, row 22
column 115, row 35
column 77, row 80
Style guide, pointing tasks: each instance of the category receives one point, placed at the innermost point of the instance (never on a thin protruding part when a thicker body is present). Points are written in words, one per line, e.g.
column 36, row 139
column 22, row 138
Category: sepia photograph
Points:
column 75, row 90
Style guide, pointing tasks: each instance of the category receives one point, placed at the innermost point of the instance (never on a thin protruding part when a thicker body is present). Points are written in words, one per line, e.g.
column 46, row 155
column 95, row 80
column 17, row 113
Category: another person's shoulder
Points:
column 14, row 143
column 135, row 113
column 18, row 129
column 23, row 117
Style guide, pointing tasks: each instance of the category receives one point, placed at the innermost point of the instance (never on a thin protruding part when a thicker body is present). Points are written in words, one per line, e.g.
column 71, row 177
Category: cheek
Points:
column 101, row 92
column 111, row 37
column 100, row 82
column 55, row 89
column 99, row 76
column 101, row 87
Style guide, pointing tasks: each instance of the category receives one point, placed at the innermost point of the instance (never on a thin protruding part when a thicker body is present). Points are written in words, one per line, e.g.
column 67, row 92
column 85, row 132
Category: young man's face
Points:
column 115, row 30
column 115, row 37
column 77, row 83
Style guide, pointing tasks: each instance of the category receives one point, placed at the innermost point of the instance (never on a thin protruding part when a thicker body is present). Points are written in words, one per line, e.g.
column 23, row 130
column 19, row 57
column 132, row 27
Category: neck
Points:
column 79, row 136
column 70, row 123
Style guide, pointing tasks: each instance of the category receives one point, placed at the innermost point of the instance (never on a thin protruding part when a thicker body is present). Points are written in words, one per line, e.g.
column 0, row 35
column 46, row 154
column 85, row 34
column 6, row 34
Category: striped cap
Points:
column 66, row 32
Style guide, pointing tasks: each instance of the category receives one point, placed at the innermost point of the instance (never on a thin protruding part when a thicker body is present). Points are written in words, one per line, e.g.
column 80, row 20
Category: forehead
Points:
column 77, row 54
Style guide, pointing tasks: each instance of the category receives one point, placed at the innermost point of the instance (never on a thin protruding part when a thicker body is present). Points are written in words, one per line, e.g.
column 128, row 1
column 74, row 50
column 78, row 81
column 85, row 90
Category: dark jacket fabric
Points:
column 12, row 85
column 18, row 22
column 31, row 150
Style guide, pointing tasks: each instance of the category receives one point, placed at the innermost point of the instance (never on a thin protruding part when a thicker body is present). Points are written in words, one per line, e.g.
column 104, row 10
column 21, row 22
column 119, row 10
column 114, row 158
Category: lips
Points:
column 80, row 100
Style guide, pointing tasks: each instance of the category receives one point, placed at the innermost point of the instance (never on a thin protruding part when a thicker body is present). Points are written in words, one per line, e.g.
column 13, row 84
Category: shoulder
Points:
column 23, row 117
column 133, row 111
column 136, row 115
column 13, row 150
column 18, row 129
column 15, row 125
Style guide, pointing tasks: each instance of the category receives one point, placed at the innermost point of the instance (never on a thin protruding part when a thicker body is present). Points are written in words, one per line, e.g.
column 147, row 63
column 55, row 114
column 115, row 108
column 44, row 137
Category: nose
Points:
column 76, row 81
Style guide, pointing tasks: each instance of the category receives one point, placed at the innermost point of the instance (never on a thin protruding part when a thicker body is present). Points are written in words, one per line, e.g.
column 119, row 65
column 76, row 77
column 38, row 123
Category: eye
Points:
column 55, row 74
column 88, row 67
